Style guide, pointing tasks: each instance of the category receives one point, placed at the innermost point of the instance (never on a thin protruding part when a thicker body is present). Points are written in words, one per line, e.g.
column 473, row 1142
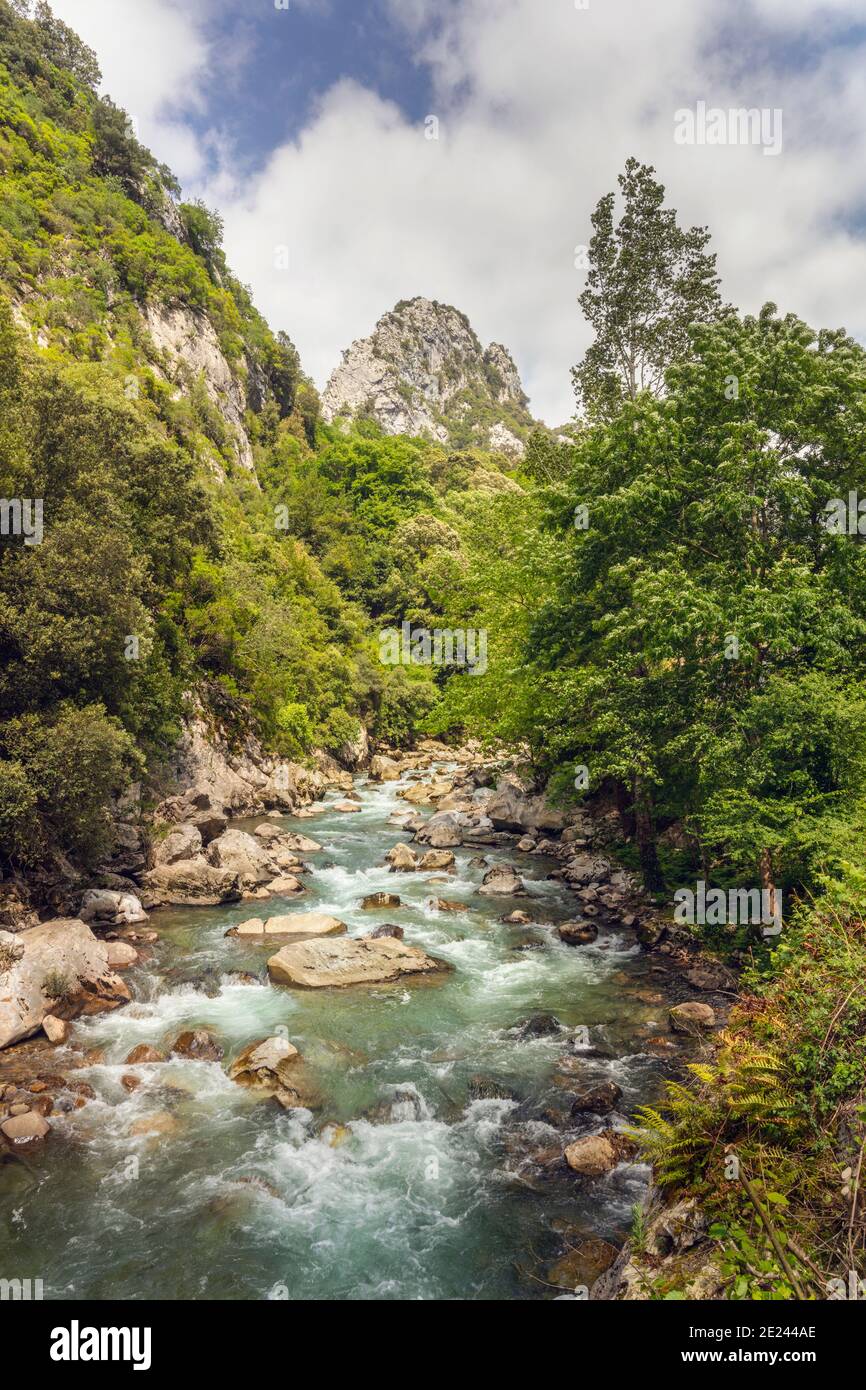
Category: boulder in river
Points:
column 266, row 1064
column 190, row 883
column 539, row 1026
column 349, row 961
column 121, row 954
column 402, row 859
column 692, row 1018
column 384, row 769
column 437, row 859
column 347, row 807
column 198, row 1045
column 297, row 924
column 25, row 1129
column 386, row 929
column 56, row 1029
column 301, row 844
column 144, row 1053
column 243, row 854
column 441, row 831
column 511, row 807
column 502, row 881
column 577, row 933
column 591, row 1157
column 376, row 900
column 287, row 886
column 105, row 907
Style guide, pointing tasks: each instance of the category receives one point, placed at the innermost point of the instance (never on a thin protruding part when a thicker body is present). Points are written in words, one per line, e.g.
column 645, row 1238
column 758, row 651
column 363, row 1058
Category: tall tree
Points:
column 648, row 282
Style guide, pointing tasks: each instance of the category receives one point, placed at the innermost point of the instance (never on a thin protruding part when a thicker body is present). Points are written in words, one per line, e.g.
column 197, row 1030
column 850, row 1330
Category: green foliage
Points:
column 648, row 283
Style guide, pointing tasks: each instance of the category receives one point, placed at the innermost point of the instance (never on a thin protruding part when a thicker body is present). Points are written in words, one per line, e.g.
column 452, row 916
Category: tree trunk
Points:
column 646, row 837
column 624, row 809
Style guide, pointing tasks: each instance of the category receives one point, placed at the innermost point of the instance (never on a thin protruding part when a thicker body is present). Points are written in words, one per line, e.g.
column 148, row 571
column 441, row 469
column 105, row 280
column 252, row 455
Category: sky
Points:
column 309, row 125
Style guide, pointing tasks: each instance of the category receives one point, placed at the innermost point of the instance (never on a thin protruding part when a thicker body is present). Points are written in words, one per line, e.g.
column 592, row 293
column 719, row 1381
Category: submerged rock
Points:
column 374, row 900
column 349, row 961
column 386, row 929
column 144, row 1053
column 26, row 1128
column 598, row 1100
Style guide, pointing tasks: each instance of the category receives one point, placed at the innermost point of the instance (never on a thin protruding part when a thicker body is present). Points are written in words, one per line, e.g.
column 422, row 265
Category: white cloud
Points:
column 540, row 103
column 154, row 60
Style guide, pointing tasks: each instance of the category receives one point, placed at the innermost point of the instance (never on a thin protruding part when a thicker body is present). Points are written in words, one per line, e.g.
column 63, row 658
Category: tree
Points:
column 707, row 636
column 648, row 282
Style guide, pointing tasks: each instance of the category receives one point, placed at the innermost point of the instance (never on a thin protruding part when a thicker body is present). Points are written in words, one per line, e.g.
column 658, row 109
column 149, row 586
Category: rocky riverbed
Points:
column 391, row 1055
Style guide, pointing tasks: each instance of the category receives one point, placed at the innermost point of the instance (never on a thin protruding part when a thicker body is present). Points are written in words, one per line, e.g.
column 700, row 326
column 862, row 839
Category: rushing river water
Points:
column 402, row 1186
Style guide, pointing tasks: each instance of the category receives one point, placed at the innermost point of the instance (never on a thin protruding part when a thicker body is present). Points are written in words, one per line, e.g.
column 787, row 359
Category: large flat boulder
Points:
column 296, row 924
column 349, row 961
column 190, row 883
column 61, row 964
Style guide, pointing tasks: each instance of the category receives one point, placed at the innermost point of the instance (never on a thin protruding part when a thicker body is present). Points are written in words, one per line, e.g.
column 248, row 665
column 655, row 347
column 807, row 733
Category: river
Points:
column 412, row 1180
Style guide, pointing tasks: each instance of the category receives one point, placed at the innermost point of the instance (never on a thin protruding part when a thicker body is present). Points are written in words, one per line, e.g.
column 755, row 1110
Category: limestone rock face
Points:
column 349, row 961
column 189, row 350
column 424, row 372
column 64, row 956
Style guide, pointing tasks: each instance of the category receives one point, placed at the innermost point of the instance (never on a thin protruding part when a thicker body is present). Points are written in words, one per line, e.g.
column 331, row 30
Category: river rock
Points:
column 297, row 924
column 386, row 929
column 347, row 807
column 402, row 859
column 447, row 905
column 56, row 1029
column 577, row 933
column 512, row 808
column 25, row 1129
column 142, row 1054
column 376, row 900
column 267, row 1064
column 692, row 1018
column 591, row 1157
column 441, row 831
column 384, row 769
column 598, row 1100
column 539, row 1026
column 286, row 886
column 198, row 1045
column 516, row 919
column 62, row 954
column 106, row 908
column 157, row 1126
column 182, row 842
column 586, row 868
column 583, row 1264
column 121, row 954
column 349, row 961
column 191, row 883
column 301, row 844
column 437, row 859
column 502, row 881
column 242, row 854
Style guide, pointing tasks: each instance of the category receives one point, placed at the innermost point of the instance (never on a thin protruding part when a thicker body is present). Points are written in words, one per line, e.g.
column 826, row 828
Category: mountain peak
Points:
column 423, row 371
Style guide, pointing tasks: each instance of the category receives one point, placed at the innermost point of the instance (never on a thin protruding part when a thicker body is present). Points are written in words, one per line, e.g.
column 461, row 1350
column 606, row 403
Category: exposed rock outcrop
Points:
column 424, row 372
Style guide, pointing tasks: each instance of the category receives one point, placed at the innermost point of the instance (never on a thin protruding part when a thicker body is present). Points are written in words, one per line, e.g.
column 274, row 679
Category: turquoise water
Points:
column 402, row 1186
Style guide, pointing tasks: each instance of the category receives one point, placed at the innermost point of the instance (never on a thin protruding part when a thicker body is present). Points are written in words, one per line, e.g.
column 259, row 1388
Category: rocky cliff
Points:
column 424, row 372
